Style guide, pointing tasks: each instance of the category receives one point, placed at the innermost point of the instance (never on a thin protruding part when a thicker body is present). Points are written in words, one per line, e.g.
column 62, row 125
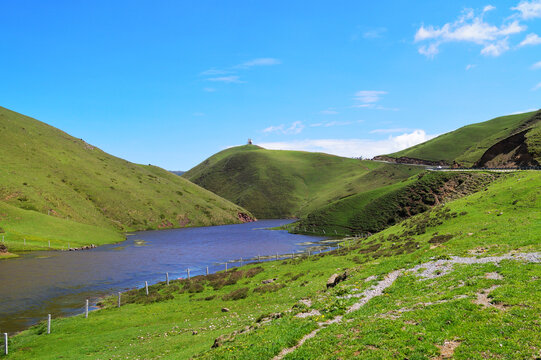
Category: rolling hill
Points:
column 57, row 187
column 280, row 184
column 508, row 141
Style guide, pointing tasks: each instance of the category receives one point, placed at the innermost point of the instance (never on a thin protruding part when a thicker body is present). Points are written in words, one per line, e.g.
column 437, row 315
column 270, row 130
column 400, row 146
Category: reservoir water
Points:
column 58, row 283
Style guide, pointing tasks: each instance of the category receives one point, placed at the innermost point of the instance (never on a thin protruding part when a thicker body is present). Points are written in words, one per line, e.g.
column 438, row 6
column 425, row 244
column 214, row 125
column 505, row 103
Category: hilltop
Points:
column 506, row 141
column 462, row 279
column 280, row 184
column 59, row 188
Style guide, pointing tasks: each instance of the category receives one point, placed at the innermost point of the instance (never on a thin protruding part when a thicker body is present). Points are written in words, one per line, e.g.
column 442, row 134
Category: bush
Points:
column 238, row 294
column 269, row 288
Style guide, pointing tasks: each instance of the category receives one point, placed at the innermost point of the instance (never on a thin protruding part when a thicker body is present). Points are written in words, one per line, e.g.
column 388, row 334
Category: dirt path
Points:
column 431, row 270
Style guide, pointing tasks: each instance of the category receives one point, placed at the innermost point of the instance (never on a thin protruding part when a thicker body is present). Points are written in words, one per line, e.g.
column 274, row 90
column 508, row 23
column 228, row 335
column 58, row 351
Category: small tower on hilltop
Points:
column 250, row 142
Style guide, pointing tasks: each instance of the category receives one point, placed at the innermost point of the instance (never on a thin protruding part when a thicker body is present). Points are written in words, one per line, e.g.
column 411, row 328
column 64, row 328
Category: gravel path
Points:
column 430, row 270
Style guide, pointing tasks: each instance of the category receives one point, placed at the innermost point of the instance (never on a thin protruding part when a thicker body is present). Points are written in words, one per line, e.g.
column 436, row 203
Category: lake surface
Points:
column 58, row 283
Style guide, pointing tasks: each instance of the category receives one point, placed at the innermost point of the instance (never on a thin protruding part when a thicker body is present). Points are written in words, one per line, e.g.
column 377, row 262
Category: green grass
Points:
column 502, row 219
column 467, row 144
column 67, row 181
column 280, row 184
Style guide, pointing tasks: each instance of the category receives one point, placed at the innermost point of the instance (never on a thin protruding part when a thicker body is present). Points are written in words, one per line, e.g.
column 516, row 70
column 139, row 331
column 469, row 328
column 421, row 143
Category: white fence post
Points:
column 49, row 324
column 86, row 309
column 167, row 278
column 6, row 343
column 146, row 287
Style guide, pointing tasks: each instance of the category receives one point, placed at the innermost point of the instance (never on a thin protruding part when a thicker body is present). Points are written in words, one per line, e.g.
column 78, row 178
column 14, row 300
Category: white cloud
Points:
column 489, row 8
column 496, row 49
column 429, row 51
column 523, row 111
column 470, row 66
column 329, row 112
column 227, row 79
column 369, row 96
column 530, row 39
column 468, row 28
column 259, row 62
column 354, row 147
column 529, row 9
column 537, row 65
column 295, row 128
column 536, row 87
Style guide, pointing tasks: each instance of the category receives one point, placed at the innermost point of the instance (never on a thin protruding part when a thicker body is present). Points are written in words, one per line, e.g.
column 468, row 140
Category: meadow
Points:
column 474, row 311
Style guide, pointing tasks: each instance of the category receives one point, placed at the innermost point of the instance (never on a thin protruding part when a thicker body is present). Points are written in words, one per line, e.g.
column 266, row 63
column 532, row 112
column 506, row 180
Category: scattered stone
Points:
column 3, row 249
column 268, row 281
column 447, row 350
column 370, row 278
column 306, row 302
column 483, row 299
column 470, row 234
column 225, row 309
column 194, row 332
column 335, row 279
column 493, row 276
column 312, row 312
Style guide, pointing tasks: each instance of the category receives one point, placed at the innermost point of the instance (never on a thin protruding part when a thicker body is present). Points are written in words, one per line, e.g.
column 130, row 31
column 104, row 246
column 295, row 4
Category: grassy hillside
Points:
column 278, row 184
column 468, row 144
column 62, row 182
column 402, row 297
column 375, row 210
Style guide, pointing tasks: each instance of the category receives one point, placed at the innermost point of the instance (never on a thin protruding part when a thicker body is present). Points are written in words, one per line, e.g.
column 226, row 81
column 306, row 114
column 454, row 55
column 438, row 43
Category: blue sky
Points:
column 172, row 82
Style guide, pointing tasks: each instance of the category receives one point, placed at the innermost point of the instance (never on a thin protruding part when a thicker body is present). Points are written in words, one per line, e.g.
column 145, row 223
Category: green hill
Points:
column 279, row 184
column 51, row 184
column 373, row 211
column 467, row 145
column 462, row 279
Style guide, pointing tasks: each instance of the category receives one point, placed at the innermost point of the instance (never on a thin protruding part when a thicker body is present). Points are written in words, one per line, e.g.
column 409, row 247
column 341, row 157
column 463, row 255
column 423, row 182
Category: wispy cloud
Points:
column 215, row 72
column 369, row 96
column 374, row 33
column 354, row 147
column 335, row 123
column 529, row 9
column 537, row 87
column 537, row 65
column 258, row 62
column 470, row 66
column 329, row 112
column 293, row 129
column 227, row 79
column 530, row 39
column 389, row 131
column 468, row 28
column 209, row 89
column 368, row 99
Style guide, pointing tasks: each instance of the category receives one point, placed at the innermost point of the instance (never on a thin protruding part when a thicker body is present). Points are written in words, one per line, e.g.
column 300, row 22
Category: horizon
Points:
column 172, row 84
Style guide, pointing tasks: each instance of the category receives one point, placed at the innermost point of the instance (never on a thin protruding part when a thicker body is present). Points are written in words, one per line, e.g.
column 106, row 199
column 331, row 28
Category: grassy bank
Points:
column 413, row 318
